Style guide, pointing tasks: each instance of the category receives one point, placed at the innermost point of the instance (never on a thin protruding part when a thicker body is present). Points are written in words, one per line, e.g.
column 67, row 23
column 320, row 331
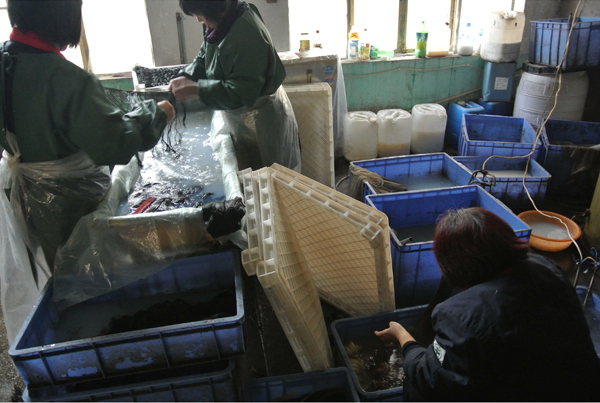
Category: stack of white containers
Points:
column 395, row 132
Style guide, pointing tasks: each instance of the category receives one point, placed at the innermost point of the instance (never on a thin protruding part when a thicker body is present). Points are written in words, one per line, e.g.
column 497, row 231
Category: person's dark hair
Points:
column 57, row 21
column 212, row 10
column 474, row 245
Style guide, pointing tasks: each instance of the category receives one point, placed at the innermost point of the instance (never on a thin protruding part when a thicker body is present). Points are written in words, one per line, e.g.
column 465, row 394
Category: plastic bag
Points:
column 265, row 133
column 107, row 252
column 46, row 201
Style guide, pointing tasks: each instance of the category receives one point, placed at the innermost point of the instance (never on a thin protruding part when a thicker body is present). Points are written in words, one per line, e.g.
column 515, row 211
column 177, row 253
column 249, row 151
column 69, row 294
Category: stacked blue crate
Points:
column 509, row 179
column 350, row 329
column 486, row 135
column 558, row 161
column 417, row 172
column 416, row 273
column 333, row 384
column 46, row 361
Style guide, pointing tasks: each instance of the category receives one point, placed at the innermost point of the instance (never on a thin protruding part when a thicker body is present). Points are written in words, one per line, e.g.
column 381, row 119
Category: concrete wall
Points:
column 276, row 17
column 163, row 29
column 404, row 83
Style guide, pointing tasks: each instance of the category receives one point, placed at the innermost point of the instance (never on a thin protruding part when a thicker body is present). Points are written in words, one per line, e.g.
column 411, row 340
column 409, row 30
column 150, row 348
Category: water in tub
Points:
column 189, row 177
column 435, row 181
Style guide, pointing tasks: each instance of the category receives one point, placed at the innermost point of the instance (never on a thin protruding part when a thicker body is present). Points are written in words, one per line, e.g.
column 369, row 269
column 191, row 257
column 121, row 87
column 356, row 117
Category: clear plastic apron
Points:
column 265, row 133
column 46, row 201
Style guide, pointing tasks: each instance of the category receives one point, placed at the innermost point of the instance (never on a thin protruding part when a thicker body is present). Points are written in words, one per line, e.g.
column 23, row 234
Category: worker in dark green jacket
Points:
column 239, row 73
column 60, row 131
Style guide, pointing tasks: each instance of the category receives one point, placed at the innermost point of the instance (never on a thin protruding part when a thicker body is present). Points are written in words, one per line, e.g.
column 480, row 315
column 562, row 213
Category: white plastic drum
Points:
column 428, row 128
column 502, row 36
column 536, row 94
column 395, row 132
column 360, row 136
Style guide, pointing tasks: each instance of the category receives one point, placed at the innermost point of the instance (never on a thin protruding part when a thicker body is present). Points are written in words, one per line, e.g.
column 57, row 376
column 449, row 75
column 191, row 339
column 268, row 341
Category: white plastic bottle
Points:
column 304, row 44
column 364, row 46
column 465, row 43
column 395, row 132
column 429, row 127
column 353, row 41
column 360, row 136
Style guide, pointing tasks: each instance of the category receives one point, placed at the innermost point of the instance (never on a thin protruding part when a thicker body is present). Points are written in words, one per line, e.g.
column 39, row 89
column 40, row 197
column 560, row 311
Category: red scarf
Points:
column 33, row 40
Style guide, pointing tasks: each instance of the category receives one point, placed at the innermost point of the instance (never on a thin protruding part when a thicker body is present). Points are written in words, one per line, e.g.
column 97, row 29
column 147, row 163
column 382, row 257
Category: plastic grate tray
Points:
column 346, row 244
column 312, row 105
column 252, row 255
column 288, row 284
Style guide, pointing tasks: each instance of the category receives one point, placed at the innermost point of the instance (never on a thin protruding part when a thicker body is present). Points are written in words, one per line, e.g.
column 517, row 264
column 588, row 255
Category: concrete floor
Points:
column 11, row 384
column 268, row 351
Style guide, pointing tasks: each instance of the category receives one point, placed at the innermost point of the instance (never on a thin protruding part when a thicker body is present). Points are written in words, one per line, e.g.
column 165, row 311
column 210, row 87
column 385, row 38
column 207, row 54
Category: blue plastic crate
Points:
column 455, row 114
column 211, row 382
column 487, row 135
column 557, row 161
column 296, row 386
column 416, row 273
column 43, row 360
column 359, row 327
column 548, row 41
column 509, row 184
column 418, row 172
column 497, row 108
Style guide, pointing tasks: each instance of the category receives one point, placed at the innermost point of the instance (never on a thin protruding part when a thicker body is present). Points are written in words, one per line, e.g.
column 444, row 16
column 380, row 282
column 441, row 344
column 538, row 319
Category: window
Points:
column 392, row 24
column 327, row 16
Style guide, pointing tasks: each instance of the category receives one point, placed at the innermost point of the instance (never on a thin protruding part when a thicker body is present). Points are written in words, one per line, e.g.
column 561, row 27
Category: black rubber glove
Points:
column 224, row 217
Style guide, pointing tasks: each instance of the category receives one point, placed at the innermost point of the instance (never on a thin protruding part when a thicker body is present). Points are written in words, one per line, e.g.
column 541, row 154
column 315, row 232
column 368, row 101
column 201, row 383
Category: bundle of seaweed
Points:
column 128, row 100
column 168, row 196
column 156, row 77
column 377, row 365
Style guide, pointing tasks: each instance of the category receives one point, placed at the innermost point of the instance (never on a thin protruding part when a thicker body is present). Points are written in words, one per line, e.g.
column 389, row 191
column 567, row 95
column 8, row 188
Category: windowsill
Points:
column 113, row 76
column 405, row 57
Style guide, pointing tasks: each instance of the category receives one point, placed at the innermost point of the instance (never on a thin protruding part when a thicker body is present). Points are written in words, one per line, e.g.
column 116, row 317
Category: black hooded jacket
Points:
column 520, row 337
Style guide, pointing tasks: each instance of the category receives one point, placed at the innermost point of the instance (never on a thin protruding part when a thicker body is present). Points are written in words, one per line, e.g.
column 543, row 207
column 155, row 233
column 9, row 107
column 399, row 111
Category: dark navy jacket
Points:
column 521, row 337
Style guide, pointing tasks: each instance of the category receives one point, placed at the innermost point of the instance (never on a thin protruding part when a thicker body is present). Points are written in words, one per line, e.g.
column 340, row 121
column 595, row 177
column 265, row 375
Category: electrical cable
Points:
column 557, row 77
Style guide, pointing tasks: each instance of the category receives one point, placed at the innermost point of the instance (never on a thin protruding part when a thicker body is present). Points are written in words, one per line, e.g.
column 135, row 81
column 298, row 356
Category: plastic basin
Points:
column 537, row 241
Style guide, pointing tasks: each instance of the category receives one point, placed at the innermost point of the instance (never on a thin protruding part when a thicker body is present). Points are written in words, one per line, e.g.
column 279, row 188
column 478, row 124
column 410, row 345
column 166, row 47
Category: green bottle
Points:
column 421, row 50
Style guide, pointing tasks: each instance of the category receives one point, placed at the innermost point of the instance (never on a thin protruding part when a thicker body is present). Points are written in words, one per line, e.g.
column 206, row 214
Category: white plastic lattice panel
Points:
column 312, row 104
column 288, row 283
column 253, row 255
column 328, row 284
column 345, row 252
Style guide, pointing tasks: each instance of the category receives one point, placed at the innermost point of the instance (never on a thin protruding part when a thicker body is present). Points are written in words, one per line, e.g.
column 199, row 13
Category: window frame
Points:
column 455, row 13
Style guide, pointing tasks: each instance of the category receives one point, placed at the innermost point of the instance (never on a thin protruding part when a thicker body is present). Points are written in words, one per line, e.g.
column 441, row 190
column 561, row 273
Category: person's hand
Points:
column 395, row 333
column 183, row 88
column 168, row 108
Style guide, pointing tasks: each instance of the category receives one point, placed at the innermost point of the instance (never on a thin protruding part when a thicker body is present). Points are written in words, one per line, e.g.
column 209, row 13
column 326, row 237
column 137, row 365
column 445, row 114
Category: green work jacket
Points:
column 244, row 66
column 60, row 109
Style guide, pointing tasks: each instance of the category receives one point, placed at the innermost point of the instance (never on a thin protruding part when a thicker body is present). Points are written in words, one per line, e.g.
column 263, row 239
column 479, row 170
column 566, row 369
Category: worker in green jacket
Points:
column 239, row 73
column 60, row 133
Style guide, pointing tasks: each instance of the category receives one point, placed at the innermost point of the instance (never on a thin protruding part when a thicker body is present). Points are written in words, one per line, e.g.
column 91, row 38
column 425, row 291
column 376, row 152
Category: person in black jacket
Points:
column 514, row 331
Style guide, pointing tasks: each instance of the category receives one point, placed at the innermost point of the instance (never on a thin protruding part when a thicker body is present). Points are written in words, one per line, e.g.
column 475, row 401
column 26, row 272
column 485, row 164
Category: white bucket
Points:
column 536, row 94
column 502, row 36
column 395, row 132
column 428, row 128
column 360, row 136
